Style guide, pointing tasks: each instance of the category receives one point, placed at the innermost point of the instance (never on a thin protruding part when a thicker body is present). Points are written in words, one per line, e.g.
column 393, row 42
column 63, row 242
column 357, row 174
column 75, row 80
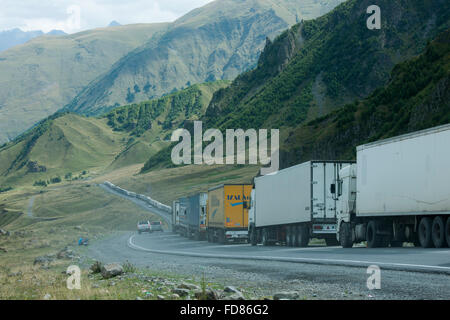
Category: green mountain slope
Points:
column 322, row 64
column 417, row 97
column 217, row 41
column 319, row 66
column 61, row 144
column 69, row 143
column 40, row 77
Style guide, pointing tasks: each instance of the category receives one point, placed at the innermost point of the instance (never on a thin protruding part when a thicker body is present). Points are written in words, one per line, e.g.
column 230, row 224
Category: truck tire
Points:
column 303, row 235
column 425, row 231
column 265, row 237
column 447, row 231
column 374, row 240
column 289, row 236
column 345, row 235
column 438, row 232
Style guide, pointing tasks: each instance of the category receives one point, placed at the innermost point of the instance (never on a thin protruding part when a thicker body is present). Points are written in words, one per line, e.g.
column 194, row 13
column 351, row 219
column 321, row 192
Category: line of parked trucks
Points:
column 146, row 199
column 397, row 190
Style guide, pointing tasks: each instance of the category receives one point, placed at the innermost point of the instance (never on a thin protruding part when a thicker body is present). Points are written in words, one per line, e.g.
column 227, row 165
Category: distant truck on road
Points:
column 293, row 205
column 227, row 213
column 398, row 191
column 189, row 216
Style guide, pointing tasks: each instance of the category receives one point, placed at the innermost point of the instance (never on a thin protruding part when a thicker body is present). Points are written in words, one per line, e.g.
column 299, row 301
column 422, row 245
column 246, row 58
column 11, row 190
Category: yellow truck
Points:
column 227, row 213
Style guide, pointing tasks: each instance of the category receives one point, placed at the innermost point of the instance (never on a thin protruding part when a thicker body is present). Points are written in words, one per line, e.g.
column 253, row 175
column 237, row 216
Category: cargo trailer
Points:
column 227, row 213
column 196, row 216
column 293, row 205
column 398, row 191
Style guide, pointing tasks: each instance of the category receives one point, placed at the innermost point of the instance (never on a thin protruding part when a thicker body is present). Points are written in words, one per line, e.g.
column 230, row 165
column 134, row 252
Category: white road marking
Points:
column 131, row 244
column 228, row 246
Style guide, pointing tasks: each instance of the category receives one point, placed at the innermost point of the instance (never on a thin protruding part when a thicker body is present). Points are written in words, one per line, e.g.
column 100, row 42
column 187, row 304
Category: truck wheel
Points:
column 373, row 239
column 289, row 236
column 265, row 237
column 345, row 235
column 425, row 231
column 447, row 231
column 303, row 235
column 438, row 232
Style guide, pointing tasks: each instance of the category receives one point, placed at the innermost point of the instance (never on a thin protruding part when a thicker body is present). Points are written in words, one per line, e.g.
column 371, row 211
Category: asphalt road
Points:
column 317, row 272
column 266, row 277
column 407, row 258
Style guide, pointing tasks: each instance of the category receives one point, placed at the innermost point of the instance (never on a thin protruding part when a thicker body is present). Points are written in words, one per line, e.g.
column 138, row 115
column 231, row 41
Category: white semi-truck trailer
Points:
column 398, row 191
column 296, row 204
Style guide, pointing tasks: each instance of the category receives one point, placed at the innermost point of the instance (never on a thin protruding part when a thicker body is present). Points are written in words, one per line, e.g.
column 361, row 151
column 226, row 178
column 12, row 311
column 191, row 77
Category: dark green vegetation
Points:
column 416, row 97
column 96, row 70
column 172, row 110
column 67, row 145
column 327, row 64
column 5, row 189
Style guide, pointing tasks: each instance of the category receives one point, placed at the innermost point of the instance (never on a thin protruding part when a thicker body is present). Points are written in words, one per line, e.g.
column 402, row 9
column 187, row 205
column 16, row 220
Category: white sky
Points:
column 73, row 16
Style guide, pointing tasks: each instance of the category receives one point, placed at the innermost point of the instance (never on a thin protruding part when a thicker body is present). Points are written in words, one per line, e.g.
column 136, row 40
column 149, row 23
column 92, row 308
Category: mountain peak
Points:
column 56, row 33
column 114, row 23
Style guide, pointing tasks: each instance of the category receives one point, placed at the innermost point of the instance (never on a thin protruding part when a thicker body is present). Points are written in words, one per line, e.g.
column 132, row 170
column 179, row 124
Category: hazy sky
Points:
column 72, row 16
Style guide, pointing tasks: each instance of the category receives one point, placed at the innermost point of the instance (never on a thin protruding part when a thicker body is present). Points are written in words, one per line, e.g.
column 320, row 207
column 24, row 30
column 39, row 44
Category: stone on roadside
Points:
column 231, row 289
column 65, row 254
column 189, row 286
column 234, row 296
column 180, row 291
column 44, row 260
column 209, row 294
column 96, row 267
column 111, row 270
column 286, row 295
column 47, row 296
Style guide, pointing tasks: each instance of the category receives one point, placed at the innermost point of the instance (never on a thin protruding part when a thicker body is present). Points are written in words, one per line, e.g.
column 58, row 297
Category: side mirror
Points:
column 333, row 188
column 245, row 204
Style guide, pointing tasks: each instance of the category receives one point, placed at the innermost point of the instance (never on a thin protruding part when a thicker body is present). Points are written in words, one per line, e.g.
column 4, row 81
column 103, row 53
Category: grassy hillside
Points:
column 68, row 144
column 325, row 63
column 417, row 97
column 60, row 145
column 40, row 77
column 319, row 66
column 217, row 41
column 150, row 124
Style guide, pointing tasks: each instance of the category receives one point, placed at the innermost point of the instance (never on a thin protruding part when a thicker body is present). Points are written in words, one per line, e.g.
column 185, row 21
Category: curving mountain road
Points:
column 407, row 273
